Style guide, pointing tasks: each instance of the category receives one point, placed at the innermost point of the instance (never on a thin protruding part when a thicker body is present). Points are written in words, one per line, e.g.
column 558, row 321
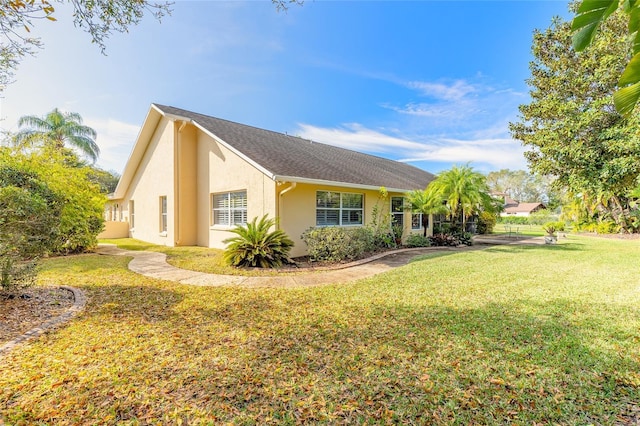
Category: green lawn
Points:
column 525, row 230
column 522, row 335
column 201, row 259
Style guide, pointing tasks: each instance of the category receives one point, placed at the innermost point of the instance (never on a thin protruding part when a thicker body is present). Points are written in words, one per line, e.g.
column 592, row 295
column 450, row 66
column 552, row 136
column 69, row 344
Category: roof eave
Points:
column 298, row 179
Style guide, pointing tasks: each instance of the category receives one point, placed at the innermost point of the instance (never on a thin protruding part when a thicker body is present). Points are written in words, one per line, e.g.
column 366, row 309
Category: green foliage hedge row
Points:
column 418, row 240
column 605, row 227
column 46, row 207
column 513, row 220
column 335, row 244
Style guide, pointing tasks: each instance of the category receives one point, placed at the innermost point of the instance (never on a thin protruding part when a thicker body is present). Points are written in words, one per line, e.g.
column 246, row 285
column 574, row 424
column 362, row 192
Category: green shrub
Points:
column 451, row 239
column 417, row 240
column 443, row 240
column 397, row 230
column 76, row 203
column 513, row 220
column 486, row 223
column 254, row 245
column 383, row 240
column 464, row 238
column 29, row 225
column 335, row 244
column 16, row 274
column 607, row 227
column 541, row 217
column 585, row 226
column 550, row 228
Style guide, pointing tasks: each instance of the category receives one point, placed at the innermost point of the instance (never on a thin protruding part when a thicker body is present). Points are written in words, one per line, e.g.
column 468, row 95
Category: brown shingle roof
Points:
column 288, row 156
column 523, row 207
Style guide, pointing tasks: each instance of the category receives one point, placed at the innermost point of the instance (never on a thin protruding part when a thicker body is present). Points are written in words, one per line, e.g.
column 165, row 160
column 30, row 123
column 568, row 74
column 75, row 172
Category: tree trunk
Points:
column 621, row 218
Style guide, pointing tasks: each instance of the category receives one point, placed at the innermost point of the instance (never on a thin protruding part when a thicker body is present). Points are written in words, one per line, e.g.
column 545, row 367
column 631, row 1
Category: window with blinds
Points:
column 132, row 214
column 229, row 208
column 339, row 208
column 163, row 214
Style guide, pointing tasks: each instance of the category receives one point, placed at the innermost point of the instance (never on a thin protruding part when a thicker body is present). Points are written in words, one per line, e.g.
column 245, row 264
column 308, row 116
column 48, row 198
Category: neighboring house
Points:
column 515, row 208
column 191, row 178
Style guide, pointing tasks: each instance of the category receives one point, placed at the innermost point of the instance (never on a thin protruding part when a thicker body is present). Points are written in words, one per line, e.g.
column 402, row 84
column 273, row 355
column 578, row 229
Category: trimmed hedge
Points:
column 335, row 244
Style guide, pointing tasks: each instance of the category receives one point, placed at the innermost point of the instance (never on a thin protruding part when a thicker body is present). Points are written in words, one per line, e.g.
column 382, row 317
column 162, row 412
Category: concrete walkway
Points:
column 154, row 265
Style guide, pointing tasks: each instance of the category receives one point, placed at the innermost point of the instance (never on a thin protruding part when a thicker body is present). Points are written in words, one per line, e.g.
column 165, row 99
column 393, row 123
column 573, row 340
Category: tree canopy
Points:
column 464, row 190
column 46, row 207
column 523, row 186
column 426, row 203
column 590, row 17
column 56, row 129
column 571, row 128
column 99, row 18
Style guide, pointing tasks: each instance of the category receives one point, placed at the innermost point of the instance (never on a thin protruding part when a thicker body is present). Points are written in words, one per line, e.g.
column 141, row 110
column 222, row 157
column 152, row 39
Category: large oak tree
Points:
column 571, row 127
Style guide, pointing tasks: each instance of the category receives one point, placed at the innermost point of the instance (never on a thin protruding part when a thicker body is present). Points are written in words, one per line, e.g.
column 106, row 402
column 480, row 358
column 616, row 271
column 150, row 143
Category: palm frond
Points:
column 59, row 128
column 255, row 246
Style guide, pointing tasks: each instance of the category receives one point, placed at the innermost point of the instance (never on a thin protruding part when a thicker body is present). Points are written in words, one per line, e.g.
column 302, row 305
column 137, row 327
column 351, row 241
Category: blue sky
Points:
column 433, row 83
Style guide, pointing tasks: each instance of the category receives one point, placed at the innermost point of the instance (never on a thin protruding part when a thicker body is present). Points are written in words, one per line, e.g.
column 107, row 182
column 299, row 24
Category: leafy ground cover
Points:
column 521, row 334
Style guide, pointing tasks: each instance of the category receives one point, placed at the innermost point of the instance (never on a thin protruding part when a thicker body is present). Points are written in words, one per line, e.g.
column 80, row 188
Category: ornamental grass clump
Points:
column 255, row 246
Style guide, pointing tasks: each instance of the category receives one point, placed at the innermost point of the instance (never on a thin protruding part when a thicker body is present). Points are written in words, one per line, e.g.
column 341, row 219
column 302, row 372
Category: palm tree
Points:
column 427, row 203
column 464, row 190
column 57, row 129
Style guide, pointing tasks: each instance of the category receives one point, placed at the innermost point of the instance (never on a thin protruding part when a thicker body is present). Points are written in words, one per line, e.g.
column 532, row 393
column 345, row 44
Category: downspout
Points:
column 176, row 210
column 284, row 191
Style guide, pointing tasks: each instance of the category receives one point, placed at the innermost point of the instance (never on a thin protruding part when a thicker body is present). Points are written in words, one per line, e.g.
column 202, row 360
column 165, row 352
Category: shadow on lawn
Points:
column 250, row 356
column 521, row 361
column 312, row 356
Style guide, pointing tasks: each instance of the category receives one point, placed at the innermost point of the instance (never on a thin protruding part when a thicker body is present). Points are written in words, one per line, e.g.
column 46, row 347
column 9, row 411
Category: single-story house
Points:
column 191, row 178
column 516, row 208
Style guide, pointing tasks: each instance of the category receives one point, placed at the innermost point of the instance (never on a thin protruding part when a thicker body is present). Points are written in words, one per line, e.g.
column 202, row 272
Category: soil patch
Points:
column 30, row 308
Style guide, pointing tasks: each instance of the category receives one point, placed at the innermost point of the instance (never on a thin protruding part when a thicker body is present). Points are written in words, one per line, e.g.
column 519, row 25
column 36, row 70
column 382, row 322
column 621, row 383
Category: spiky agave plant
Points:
column 254, row 245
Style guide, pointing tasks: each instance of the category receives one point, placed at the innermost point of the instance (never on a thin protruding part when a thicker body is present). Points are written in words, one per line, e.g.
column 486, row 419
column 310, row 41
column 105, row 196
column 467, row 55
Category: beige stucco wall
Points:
column 221, row 170
column 154, row 178
column 297, row 207
column 186, row 219
column 187, row 166
column 115, row 230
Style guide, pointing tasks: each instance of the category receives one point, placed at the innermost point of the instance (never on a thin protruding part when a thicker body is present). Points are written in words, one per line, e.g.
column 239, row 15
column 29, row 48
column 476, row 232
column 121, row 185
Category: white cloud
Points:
column 491, row 152
column 456, row 91
column 356, row 137
column 497, row 153
column 115, row 139
column 455, row 110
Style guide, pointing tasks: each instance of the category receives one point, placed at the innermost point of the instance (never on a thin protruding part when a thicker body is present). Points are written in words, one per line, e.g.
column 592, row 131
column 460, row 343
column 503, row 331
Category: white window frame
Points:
column 230, row 209
column 132, row 212
column 164, row 214
column 342, row 209
column 397, row 216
